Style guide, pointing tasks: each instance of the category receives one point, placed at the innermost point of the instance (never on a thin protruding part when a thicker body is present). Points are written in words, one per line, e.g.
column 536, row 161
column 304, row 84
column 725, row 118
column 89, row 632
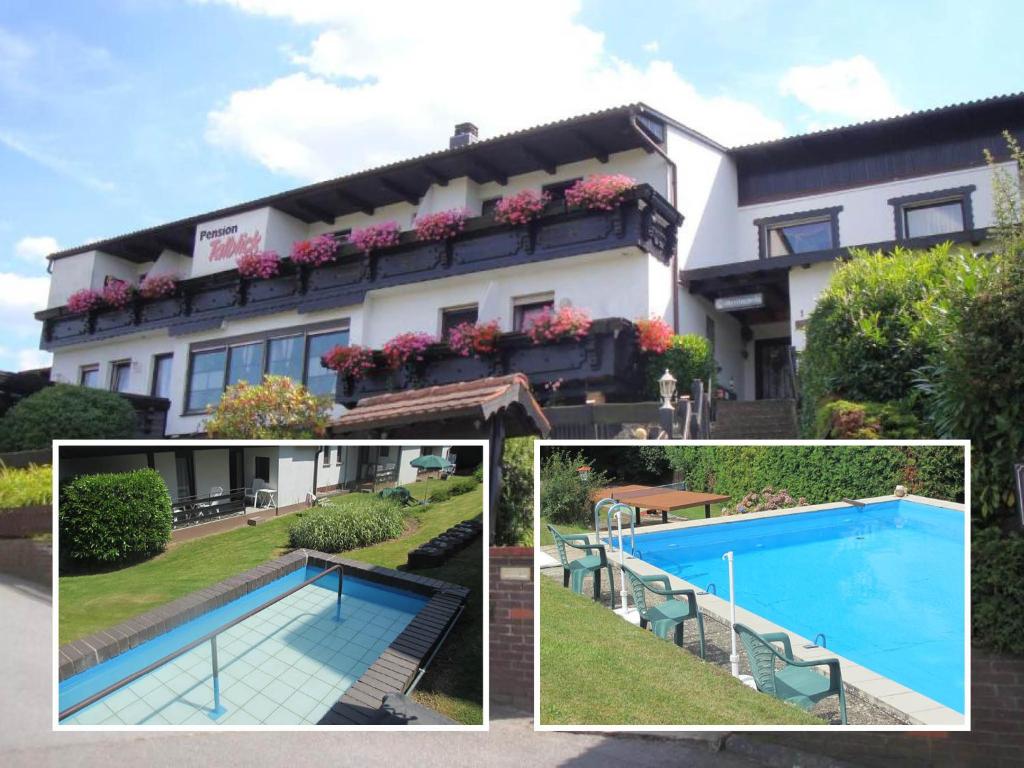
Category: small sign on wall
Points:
column 744, row 301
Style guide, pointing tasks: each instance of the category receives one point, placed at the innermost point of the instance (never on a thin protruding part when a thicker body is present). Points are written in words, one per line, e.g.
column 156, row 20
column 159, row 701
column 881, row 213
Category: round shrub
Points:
column 66, row 411
column 688, row 357
column 564, row 498
column 111, row 518
column 353, row 522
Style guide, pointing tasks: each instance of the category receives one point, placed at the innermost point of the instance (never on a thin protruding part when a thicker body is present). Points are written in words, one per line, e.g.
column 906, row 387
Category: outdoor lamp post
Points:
column 666, row 414
column 584, row 473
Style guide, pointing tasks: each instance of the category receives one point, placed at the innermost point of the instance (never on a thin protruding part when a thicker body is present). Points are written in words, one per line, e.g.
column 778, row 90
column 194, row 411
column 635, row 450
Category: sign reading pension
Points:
column 221, row 242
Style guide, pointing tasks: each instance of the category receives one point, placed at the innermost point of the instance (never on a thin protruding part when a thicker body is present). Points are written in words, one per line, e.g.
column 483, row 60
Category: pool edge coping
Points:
column 394, row 669
column 880, row 690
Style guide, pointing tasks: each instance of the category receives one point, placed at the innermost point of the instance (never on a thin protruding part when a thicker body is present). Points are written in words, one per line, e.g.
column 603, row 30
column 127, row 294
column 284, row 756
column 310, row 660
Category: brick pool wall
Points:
column 511, row 641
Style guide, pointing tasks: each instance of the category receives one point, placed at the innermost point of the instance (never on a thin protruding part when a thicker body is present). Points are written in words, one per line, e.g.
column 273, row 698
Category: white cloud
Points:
column 383, row 81
column 33, row 358
column 23, row 296
column 651, row 47
column 851, row 89
column 34, row 250
column 59, row 165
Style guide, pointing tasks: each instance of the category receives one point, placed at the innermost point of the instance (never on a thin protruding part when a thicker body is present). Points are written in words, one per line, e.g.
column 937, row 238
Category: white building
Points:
column 761, row 230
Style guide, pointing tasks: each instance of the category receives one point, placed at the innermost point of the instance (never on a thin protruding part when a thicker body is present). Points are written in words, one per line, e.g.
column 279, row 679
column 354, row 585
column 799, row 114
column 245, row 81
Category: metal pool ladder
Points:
column 210, row 637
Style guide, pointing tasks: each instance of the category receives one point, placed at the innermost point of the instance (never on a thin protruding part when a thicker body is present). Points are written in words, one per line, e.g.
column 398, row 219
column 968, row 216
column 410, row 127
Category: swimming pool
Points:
column 287, row 664
column 884, row 583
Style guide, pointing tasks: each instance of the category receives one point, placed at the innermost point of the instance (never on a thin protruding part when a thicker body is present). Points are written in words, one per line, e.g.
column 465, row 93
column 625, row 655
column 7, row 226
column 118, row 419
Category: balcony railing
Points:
column 605, row 360
column 644, row 220
column 194, row 510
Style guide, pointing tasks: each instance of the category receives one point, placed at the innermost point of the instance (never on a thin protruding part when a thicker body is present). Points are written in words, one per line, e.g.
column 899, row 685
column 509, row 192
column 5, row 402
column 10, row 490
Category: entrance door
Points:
column 771, row 360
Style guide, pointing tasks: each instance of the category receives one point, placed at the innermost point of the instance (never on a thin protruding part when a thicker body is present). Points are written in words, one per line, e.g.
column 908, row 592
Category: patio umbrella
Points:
column 430, row 461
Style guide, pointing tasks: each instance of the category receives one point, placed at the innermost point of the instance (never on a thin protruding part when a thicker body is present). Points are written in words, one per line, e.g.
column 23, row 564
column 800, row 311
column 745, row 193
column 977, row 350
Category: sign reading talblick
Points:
column 220, row 243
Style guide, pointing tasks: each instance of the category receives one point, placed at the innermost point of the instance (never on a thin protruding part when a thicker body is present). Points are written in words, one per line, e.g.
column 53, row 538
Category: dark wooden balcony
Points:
column 644, row 220
column 605, row 360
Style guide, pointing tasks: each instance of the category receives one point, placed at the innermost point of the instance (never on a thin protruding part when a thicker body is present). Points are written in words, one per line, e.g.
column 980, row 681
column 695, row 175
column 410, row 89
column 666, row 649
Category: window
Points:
column 929, row 214
column 206, row 379
column 526, row 308
column 320, row 380
column 556, row 190
column 120, row 375
column 454, row 316
column 245, row 363
column 284, row 357
column 262, row 468
column 339, row 456
column 213, row 365
column 89, row 376
column 797, row 233
column 384, row 452
column 327, row 455
column 161, row 385
column 487, row 206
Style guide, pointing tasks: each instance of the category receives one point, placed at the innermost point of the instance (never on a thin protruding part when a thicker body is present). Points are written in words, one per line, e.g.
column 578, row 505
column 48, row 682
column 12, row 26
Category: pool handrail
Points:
column 209, row 636
column 632, row 526
column 597, row 519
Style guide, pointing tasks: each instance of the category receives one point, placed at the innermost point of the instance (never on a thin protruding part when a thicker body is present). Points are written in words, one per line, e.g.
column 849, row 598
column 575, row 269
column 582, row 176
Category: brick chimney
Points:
column 465, row 134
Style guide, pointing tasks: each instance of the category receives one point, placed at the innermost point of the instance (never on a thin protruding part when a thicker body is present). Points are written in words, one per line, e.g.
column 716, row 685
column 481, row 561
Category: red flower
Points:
column 654, row 335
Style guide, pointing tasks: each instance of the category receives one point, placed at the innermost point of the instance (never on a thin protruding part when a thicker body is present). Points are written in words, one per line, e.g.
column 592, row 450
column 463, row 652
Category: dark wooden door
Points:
column 771, row 359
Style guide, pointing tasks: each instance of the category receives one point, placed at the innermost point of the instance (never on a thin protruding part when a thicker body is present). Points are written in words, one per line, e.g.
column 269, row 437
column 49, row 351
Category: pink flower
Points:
column 158, row 286
column 406, row 347
column 566, row 323
column 354, row 361
column 375, row 236
column 442, row 225
column 600, row 192
column 315, row 251
column 522, row 207
column 474, row 338
column 85, row 300
column 118, row 293
column 260, row 265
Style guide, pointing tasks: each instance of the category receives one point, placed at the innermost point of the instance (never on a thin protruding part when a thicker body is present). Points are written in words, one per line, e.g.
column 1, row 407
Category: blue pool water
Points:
column 286, row 665
column 884, row 583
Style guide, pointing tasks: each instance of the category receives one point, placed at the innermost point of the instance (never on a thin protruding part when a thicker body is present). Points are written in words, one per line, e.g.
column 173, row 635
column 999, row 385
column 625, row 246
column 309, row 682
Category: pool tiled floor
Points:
column 286, row 665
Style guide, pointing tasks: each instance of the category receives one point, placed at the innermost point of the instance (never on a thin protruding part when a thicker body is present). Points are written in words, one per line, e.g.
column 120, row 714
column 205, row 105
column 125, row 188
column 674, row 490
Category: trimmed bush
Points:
column 822, row 473
column 882, row 318
column 65, row 411
column 276, row 408
column 358, row 521
column 478, row 474
column 514, row 522
column 26, row 487
column 688, row 357
column 564, row 498
column 844, row 420
column 453, row 487
column 997, row 590
column 112, row 518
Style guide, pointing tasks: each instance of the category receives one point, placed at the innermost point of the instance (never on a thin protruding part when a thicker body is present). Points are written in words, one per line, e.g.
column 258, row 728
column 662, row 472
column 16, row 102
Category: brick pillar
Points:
column 511, row 579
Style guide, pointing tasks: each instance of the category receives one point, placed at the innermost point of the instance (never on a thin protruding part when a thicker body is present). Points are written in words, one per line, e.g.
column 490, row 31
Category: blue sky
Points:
column 121, row 114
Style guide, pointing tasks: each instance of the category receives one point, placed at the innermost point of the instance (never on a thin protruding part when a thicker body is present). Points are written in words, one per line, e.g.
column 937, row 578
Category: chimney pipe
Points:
column 465, row 134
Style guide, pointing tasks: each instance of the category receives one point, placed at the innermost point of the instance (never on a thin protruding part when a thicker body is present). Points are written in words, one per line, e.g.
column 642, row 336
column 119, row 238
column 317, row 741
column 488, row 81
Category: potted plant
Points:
column 599, row 192
column 477, row 339
column 375, row 236
column 522, row 207
column 84, row 300
column 352, row 362
column 552, row 326
column 653, row 335
column 405, row 348
column 443, row 225
column 314, row 252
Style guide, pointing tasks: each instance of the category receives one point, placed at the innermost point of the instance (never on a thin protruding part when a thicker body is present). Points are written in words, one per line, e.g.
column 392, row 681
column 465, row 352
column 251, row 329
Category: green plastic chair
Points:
column 796, row 682
column 576, row 570
column 667, row 619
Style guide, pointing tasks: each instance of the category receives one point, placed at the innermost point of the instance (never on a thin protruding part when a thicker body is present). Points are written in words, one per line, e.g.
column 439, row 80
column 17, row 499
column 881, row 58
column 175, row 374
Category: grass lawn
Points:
column 696, row 513
column 643, row 680
column 453, row 686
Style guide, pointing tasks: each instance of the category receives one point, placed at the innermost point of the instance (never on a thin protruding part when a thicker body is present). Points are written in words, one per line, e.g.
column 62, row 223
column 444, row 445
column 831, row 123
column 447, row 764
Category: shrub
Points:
column 881, row 319
column 631, row 463
column 26, row 486
column 276, row 409
column 454, row 487
column 478, row 474
column 688, row 357
column 356, row 521
column 66, row 411
column 514, row 521
column 843, row 420
column 522, row 207
column 111, row 518
column 997, row 590
column 822, row 473
column 564, row 497
column 259, row 265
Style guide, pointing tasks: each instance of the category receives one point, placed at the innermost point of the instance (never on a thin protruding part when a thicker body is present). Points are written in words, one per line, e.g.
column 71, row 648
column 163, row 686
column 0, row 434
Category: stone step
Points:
column 755, row 420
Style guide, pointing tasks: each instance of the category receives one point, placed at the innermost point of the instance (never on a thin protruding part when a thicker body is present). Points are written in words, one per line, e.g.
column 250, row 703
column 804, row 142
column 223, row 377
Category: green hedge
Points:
column 997, row 590
column 64, row 411
column 25, row 487
column 688, row 357
column 514, row 522
column 823, row 473
column 112, row 518
column 357, row 521
column 455, row 486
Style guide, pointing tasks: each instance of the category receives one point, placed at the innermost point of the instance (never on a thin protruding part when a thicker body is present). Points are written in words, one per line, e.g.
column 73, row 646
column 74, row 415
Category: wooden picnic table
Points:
column 653, row 499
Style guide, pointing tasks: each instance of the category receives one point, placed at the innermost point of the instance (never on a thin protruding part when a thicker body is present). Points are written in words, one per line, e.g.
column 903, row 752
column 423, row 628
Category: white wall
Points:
column 294, row 473
column 729, row 346
column 805, row 286
column 406, row 471
column 867, row 216
column 165, row 463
